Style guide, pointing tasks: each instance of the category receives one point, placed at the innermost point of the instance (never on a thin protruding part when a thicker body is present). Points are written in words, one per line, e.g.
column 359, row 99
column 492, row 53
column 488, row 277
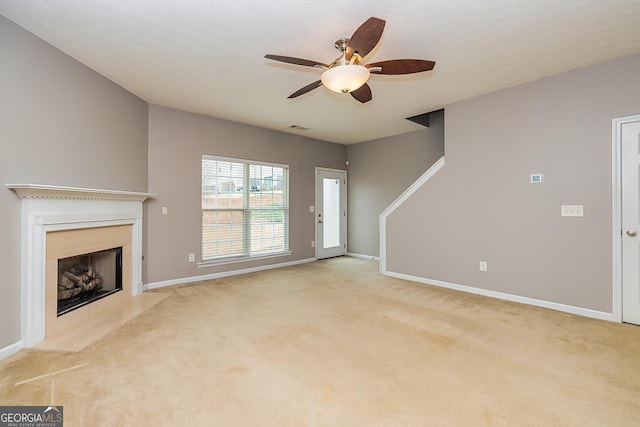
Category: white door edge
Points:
column 616, row 200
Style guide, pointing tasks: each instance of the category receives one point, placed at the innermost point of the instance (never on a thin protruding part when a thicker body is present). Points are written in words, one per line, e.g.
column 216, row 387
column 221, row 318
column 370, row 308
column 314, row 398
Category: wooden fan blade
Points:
column 307, row 88
column 402, row 66
column 366, row 37
column 296, row 61
column 362, row 94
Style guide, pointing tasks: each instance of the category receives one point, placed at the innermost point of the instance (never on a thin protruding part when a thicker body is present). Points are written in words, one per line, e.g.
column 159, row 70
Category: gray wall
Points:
column 480, row 206
column 177, row 141
column 57, row 116
column 379, row 172
column 63, row 124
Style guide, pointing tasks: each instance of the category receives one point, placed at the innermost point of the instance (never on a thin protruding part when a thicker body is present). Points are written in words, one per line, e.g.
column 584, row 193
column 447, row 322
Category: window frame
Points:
column 247, row 211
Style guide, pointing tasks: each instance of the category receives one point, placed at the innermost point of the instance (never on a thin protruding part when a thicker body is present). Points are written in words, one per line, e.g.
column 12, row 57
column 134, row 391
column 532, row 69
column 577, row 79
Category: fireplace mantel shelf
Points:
column 39, row 191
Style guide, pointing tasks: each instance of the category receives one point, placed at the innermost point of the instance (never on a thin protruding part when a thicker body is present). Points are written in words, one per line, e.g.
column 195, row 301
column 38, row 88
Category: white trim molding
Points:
column 507, row 297
column 182, row 281
column 10, row 350
column 354, row 255
column 397, row 203
column 39, row 191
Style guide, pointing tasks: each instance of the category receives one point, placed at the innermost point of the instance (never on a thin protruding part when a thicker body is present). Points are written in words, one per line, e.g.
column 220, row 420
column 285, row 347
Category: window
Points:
column 245, row 209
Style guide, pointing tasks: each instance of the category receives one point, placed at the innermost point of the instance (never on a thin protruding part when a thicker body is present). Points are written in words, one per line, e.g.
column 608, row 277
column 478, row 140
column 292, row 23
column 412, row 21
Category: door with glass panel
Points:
column 331, row 213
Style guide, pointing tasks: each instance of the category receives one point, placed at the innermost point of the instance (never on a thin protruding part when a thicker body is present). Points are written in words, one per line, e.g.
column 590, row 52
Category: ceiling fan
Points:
column 348, row 74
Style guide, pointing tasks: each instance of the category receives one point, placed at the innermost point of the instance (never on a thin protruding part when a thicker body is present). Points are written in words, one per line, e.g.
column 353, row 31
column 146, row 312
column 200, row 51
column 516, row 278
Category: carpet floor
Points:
column 334, row 343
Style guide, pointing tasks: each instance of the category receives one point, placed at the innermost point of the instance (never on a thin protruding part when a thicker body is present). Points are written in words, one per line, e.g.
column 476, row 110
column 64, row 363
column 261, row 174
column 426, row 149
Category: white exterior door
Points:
column 331, row 213
column 630, row 182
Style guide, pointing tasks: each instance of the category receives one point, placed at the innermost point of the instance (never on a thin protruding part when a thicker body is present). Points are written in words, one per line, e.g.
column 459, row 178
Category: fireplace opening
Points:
column 86, row 278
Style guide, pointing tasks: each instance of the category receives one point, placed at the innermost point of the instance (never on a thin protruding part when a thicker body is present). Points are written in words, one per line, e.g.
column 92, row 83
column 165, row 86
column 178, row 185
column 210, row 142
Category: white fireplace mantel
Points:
column 47, row 208
column 39, row 191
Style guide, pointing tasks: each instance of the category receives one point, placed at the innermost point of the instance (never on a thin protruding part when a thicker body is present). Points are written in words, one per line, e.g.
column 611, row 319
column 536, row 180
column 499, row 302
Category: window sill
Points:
column 206, row 264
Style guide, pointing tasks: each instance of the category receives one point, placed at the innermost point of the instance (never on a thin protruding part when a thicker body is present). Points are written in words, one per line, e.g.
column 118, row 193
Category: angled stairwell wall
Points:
column 379, row 171
column 482, row 206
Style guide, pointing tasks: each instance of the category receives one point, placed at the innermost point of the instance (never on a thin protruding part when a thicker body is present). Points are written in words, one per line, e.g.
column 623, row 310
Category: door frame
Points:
column 616, row 200
column 315, row 215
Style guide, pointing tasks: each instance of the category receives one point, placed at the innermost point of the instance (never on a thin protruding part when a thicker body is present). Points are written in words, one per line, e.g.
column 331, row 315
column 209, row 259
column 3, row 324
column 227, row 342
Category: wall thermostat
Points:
column 536, row 178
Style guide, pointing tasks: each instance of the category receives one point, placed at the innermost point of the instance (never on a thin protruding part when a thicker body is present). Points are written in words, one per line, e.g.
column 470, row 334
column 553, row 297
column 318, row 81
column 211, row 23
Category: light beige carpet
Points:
column 333, row 343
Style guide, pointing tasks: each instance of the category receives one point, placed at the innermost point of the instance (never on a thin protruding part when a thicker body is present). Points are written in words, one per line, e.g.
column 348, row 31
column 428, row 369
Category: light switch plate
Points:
column 572, row 210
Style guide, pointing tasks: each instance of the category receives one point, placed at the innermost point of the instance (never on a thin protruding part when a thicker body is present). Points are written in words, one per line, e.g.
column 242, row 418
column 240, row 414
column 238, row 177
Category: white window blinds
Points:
column 245, row 209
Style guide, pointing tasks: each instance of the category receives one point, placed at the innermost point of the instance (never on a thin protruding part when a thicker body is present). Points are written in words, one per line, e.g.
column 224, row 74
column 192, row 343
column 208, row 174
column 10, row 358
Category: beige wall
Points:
column 482, row 207
column 177, row 141
column 62, row 124
column 379, row 172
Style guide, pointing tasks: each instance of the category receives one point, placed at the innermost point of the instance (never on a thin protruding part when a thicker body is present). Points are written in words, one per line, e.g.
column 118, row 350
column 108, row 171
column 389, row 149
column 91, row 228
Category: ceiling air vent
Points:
column 298, row 127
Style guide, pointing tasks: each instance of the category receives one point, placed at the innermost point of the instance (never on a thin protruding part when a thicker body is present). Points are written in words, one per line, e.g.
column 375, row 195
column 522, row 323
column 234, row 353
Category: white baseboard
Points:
column 156, row 285
column 508, row 297
column 10, row 350
column 375, row 258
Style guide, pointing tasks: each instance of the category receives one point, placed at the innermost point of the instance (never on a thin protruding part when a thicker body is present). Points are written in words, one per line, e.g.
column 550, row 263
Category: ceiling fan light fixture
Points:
column 345, row 78
column 347, row 74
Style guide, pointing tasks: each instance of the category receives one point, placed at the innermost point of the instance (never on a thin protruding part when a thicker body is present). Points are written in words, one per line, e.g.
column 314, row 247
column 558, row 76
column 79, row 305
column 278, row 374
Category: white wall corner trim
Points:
column 351, row 254
column 10, row 350
column 508, row 297
column 165, row 283
column 397, row 203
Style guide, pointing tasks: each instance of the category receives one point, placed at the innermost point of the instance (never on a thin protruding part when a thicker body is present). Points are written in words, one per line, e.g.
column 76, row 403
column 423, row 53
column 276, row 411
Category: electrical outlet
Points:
column 313, row 243
column 572, row 210
column 192, row 257
column 483, row 265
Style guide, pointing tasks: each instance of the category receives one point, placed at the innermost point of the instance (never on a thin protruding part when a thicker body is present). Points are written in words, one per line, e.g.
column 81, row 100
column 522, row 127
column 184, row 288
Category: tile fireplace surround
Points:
column 53, row 209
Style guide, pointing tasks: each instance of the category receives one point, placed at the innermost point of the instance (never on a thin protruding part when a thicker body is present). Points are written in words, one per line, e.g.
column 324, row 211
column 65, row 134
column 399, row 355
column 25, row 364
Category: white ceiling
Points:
column 207, row 56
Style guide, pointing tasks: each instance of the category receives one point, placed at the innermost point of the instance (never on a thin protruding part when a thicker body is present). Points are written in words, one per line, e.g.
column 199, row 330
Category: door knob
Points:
column 632, row 233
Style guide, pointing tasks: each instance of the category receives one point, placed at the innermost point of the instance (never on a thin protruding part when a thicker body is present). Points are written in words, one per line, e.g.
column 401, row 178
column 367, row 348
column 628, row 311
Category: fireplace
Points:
column 86, row 278
column 67, row 226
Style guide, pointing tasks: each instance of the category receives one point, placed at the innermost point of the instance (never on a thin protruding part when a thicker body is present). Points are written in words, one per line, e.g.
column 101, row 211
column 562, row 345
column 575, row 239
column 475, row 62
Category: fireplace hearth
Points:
column 86, row 278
